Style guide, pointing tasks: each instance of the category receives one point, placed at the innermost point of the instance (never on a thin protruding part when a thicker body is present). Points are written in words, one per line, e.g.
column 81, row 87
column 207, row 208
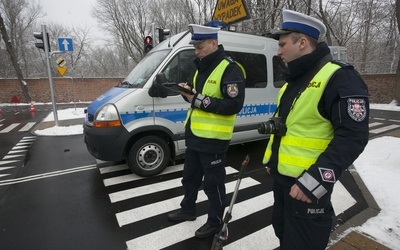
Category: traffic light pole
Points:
column 47, row 52
column 153, row 33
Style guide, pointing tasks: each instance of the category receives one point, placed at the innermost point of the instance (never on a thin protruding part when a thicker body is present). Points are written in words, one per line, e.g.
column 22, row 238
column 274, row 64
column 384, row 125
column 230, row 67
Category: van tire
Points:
column 148, row 156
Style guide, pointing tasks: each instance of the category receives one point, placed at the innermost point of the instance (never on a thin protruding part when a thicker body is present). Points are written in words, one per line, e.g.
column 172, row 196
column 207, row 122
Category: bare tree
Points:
column 19, row 15
column 397, row 87
column 128, row 21
column 175, row 15
column 367, row 28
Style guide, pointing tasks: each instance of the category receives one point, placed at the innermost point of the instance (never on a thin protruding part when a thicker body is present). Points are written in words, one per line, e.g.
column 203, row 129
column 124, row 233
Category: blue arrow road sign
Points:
column 65, row 44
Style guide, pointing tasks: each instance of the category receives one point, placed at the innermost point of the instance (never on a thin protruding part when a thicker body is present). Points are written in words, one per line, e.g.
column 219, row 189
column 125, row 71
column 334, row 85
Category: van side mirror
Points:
column 161, row 78
column 157, row 89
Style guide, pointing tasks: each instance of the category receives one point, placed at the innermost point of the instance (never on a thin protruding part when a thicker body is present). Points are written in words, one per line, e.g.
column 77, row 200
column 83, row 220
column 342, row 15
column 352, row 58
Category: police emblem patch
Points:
column 327, row 175
column 356, row 109
column 232, row 89
column 206, row 102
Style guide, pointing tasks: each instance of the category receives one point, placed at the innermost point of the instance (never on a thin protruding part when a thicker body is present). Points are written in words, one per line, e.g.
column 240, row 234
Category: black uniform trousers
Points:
column 298, row 224
column 212, row 167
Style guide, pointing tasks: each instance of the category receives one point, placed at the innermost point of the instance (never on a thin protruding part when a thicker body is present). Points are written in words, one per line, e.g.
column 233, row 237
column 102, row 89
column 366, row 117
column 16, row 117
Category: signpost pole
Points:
column 48, row 55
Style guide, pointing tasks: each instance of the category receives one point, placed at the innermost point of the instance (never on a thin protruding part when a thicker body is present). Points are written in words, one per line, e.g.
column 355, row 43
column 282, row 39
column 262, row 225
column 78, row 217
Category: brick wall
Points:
column 381, row 88
column 65, row 89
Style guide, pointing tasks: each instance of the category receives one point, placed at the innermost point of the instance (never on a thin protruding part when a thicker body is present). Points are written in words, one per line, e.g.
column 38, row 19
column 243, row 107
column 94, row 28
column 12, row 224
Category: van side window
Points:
column 278, row 65
column 181, row 68
column 255, row 66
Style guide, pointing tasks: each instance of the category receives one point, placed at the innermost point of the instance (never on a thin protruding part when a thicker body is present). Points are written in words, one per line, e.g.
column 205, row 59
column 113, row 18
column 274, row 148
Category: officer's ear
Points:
column 214, row 42
column 303, row 42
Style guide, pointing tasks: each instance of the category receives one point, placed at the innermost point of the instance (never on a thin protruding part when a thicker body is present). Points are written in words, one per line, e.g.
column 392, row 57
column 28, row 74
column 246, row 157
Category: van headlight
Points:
column 106, row 117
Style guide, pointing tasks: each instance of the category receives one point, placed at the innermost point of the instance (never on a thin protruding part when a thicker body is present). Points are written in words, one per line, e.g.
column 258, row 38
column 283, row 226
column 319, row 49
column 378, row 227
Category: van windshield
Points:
column 145, row 68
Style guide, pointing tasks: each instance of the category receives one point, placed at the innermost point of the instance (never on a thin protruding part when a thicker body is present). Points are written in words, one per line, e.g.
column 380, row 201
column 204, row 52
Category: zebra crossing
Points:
column 380, row 125
column 20, row 127
column 12, row 160
column 125, row 189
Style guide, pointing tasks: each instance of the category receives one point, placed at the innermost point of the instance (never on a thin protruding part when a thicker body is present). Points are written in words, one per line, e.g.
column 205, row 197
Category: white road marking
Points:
column 144, row 212
column 374, row 124
column 9, row 128
column 182, row 231
column 148, row 189
column 383, row 129
column 164, row 237
column 46, row 175
column 28, row 126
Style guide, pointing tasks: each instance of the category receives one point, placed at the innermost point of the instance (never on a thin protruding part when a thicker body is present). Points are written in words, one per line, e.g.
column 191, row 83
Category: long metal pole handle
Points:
column 241, row 173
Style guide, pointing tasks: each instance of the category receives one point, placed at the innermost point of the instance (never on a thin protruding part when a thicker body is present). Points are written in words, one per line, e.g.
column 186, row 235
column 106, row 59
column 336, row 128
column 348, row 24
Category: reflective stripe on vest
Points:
column 210, row 125
column 308, row 133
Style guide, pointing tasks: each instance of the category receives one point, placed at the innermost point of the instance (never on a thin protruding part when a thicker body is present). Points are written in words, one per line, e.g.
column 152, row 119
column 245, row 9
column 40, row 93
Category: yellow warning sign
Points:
column 230, row 11
column 61, row 70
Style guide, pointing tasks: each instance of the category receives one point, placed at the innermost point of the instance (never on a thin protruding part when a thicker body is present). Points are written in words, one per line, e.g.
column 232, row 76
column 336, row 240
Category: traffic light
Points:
column 162, row 33
column 148, row 44
column 39, row 36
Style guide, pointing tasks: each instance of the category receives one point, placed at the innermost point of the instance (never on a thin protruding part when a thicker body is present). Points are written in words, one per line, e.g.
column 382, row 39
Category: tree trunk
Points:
column 14, row 61
column 397, row 83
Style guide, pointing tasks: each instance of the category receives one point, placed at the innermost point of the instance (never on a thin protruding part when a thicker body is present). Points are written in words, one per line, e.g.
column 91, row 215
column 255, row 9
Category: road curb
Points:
column 61, row 123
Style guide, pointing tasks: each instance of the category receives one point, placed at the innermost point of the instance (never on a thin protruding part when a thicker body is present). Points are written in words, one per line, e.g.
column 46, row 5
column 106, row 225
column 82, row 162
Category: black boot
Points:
column 207, row 230
column 179, row 216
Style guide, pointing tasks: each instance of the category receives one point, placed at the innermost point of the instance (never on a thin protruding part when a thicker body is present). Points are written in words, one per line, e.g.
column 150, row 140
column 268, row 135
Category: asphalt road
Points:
column 62, row 198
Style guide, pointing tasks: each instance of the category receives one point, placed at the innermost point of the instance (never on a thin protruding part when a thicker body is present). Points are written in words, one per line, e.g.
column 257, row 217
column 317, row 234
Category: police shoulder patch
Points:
column 356, row 108
column 327, row 175
column 232, row 89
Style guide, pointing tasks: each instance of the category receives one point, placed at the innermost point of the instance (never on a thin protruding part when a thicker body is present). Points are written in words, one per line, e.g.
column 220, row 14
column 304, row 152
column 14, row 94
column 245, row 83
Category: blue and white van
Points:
column 133, row 121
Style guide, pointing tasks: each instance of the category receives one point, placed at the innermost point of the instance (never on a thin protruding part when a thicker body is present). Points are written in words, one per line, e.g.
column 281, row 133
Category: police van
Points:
column 142, row 119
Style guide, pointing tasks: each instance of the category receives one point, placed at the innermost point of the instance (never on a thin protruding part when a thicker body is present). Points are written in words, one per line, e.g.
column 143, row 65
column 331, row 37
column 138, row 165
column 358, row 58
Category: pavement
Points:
column 351, row 241
column 62, row 123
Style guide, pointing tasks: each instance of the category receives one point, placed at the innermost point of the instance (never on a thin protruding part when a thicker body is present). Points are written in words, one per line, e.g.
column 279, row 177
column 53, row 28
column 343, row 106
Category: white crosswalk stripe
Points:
column 182, row 231
column 149, row 189
column 384, row 129
column 28, row 126
column 141, row 213
column 13, row 126
column 132, row 177
column 262, row 239
column 11, row 156
column 164, row 237
column 374, row 124
column 15, row 156
column 9, row 128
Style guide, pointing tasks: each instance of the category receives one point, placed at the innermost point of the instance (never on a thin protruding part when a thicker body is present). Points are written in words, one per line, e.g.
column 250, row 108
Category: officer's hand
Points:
column 187, row 96
column 296, row 193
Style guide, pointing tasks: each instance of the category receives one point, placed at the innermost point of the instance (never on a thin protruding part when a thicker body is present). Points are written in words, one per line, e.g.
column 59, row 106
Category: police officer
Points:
column 216, row 96
column 324, row 108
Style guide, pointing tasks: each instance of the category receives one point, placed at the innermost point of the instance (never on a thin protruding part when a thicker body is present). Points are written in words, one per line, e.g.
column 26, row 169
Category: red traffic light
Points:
column 148, row 44
column 148, row 40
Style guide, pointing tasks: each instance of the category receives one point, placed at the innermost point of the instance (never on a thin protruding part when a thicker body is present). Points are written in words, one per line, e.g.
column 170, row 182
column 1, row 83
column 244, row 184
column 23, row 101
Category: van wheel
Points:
column 148, row 156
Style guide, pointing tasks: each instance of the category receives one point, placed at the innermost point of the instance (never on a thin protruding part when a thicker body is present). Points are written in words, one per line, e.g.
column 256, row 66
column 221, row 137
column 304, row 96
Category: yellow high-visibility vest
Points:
column 210, row 125
column 308, row 133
